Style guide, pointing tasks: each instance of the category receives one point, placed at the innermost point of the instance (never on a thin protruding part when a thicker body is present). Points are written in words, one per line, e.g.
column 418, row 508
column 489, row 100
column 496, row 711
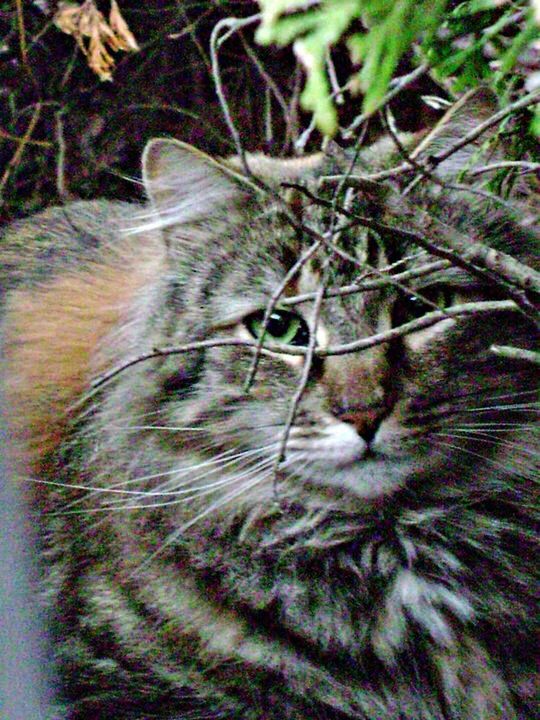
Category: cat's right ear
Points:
column 186, row 186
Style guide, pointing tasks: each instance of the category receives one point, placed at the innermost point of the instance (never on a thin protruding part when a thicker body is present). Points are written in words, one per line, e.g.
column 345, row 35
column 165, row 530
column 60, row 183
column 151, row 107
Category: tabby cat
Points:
column 302, row 531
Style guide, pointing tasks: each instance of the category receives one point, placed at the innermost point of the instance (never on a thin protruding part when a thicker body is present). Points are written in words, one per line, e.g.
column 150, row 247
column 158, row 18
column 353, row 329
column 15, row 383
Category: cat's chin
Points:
column 339, row 458
column 369, row 478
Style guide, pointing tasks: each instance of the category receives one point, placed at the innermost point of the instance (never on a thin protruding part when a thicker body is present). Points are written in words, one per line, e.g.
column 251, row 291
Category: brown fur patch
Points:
column 52, row 335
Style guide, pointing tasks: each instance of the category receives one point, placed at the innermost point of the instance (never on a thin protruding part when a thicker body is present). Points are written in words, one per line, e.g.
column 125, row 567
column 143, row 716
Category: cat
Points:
column 280, row 534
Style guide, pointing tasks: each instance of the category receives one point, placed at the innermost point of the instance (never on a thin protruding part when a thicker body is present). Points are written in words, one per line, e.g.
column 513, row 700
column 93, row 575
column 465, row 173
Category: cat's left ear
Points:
column 188, row 187
column 464, row 116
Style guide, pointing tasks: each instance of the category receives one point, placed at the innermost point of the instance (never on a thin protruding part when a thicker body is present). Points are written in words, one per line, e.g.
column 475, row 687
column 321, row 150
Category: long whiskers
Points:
column 195, row 493
column 215, row 507
column 485, row 438
column 517, row 464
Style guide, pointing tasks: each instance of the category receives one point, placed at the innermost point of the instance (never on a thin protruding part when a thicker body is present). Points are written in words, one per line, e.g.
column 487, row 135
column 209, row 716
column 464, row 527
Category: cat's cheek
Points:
column 393, row 441
column 417, row 341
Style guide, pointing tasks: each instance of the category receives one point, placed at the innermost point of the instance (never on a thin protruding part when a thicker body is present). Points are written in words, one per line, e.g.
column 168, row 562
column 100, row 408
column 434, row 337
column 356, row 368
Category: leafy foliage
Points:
column 463, row 44
column 66, row 134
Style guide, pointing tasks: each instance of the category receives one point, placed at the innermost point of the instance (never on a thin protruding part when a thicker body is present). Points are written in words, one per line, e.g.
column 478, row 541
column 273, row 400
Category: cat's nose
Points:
column 366, row 421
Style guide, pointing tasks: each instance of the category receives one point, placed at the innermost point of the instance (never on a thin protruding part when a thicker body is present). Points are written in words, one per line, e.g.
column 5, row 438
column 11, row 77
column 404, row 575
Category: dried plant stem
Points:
column 532, row 98
column 368, row 285
column 22, row 33
column 397, row 86
column 388, row 279
column 302, row 383
column 231, row 25
column 61, row 154
column 14, row 138
column 514, row 353
column 298, row 265
column 526, row 167
column 459, row 251
column 20, row 149
column 425, row 173
column 420, row 323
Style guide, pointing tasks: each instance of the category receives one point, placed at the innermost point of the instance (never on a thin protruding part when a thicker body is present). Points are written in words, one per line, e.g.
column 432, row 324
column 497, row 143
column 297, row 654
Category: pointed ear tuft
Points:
column 185, row 185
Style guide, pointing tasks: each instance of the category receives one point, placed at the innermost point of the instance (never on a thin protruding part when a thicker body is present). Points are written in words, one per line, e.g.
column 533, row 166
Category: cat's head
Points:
column 426, row 415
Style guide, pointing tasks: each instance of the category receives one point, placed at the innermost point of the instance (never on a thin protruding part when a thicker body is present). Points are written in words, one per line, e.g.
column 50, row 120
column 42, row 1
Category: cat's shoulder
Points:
column 69, row 275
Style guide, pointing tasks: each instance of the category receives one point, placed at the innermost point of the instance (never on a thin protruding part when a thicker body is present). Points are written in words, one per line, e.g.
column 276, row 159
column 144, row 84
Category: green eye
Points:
column 282, row 326
column 409, row 307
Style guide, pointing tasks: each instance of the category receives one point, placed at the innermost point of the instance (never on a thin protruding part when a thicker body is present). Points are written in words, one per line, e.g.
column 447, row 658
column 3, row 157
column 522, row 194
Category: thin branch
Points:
column 532, row 98
column 396, row 86
column 425, row 321
column 386, row 279
column 276, row 295
column 22, row 33
column 61, row 154
column 460, row 251
column 306, row 369
column 20, row 149
column 15, row 138
column 232, row 25
column 514, row 353
column 421, row 323
column 526, row 167
column 369, row 285
column 270, row 83
column 425, row 173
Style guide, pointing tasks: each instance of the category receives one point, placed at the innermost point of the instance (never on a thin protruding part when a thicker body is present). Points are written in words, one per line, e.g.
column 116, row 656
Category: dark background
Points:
column 86, row 136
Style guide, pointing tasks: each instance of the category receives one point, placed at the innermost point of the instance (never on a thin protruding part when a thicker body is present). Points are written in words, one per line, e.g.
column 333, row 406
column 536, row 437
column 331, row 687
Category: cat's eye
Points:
column 409, row 307
column 282, row 326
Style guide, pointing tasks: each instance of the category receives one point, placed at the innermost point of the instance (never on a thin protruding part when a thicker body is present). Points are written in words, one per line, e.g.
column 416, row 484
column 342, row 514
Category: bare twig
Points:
column 270, row 83
column 433, row 161
column 276, row 295
column 420, row 323
column 384, row 278
column 514, row 353
column 15, row 138
column 302, row 383
column 532, row 98
column 460, row 251
column 22, row 33
column 20, row 149
column 525, row 167
column 425, row 173
column 231, row 25
column 369, row 285
column 396, row 86
column 61, row 153
column 425, row 321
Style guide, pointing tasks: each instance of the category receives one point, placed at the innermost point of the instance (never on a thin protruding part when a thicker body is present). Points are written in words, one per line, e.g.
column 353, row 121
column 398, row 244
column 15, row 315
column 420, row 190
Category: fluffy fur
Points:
column 386, row 570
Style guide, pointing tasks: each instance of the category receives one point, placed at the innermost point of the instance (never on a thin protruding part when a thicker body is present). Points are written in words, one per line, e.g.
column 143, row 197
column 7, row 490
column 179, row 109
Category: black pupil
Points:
column 278, row 324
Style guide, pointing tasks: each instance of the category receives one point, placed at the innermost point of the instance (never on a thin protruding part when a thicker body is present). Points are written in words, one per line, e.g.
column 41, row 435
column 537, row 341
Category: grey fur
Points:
column 188, row 583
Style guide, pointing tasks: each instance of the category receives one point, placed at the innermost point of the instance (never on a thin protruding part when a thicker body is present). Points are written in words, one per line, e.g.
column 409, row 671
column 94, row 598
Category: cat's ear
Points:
column 463, row 117
column 186, row 186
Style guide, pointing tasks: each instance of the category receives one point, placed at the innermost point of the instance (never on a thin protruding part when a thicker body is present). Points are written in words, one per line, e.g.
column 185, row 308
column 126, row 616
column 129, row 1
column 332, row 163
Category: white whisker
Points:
column 479, row 437
column 484, row 458
column 212, row 508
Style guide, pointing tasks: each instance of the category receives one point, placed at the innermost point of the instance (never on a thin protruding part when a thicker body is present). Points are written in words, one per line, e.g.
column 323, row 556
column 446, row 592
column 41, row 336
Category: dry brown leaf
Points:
column 94, row 35
column 121, row 30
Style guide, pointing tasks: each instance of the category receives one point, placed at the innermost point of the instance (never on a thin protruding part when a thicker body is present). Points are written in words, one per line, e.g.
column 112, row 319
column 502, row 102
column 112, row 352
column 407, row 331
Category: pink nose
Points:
column 365, row 421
